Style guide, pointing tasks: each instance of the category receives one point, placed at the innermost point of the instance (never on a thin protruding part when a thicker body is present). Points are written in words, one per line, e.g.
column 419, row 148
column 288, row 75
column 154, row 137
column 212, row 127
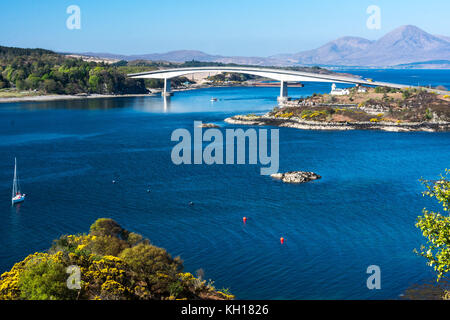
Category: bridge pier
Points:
column 167, row 88
column 283, row 92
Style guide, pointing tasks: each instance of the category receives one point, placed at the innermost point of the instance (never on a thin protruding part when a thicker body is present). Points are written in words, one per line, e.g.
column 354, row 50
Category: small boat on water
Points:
column 213, row 99
column 17, row 195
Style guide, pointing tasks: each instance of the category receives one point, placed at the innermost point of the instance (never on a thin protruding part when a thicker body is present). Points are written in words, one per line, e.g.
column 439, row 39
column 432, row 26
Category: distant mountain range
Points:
column 406, row 46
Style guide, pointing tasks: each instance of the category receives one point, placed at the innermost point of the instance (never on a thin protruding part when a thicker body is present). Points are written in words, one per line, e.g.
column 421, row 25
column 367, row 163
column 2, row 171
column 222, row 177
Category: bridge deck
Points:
column 272, row 73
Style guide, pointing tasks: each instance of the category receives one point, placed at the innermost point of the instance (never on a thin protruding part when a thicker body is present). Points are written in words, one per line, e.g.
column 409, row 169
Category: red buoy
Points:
column 244, row 219
column 281, row 240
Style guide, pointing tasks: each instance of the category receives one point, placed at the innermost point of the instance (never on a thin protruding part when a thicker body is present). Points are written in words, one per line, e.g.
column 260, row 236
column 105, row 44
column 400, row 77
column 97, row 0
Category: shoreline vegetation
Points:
column 362, row 109
column 112, row 264
column 434, row 226
column 44, row 75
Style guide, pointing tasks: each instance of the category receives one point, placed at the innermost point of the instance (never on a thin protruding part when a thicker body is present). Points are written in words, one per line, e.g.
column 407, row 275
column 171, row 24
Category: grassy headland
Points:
column 376, row 108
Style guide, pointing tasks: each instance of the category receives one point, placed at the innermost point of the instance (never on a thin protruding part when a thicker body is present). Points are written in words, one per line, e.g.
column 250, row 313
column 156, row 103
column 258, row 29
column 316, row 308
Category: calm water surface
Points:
column 361, row 213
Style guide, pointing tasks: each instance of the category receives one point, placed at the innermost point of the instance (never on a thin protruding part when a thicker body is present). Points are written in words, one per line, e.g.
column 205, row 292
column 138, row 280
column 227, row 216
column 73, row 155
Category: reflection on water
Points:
column 85, row 104
column 182, row 101
column 17, row 207
column 166, row 103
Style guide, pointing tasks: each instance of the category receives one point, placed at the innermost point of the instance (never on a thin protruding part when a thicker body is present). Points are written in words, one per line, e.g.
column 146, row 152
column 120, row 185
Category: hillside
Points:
column 404, row 45
column 115, row 264
column 51, row 73
column 330, row 53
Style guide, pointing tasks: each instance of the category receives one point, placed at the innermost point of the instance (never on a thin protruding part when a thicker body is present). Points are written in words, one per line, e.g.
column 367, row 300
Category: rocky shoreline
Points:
column 298, row 123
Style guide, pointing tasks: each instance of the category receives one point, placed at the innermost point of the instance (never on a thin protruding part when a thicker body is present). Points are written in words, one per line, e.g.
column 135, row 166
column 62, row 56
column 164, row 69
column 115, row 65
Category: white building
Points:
column 362, row 89
column 338, row 92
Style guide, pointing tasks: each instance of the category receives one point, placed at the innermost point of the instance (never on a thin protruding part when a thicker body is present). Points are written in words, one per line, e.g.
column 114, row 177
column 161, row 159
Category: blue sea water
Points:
column 361, row 213
column 413, row 77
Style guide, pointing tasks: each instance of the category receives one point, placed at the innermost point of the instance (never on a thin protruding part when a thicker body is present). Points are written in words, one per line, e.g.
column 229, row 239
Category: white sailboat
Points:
column 17, row 195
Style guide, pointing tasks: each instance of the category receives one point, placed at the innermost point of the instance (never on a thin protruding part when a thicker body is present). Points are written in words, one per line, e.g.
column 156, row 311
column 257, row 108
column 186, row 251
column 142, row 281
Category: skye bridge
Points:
column 281, row 75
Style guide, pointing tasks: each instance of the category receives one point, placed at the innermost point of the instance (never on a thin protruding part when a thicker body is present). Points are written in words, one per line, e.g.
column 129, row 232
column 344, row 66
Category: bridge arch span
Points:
column 281, row 75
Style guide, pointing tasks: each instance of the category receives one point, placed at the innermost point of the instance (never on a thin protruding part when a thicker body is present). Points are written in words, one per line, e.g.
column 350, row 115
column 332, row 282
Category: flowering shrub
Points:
column 284, row 115
column 114, row 265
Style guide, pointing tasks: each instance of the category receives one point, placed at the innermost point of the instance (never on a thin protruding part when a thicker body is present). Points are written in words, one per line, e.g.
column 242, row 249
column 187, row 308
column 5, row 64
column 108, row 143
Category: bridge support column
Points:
column 167, row 88
column 283, row 92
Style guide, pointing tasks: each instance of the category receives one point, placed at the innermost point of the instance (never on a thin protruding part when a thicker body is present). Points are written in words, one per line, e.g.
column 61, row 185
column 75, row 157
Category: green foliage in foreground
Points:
column 114, row 264
column 436, row 228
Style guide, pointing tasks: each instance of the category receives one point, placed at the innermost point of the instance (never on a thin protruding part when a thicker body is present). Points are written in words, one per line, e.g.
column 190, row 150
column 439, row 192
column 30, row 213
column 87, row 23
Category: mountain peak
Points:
column 405, row 44
column 408, row 28
column 410, row 37
column 404, row 32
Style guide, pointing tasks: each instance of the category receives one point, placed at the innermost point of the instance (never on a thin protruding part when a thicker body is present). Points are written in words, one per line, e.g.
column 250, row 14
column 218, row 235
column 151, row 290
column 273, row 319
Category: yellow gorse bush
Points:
column 284, row 115
column 113, row 264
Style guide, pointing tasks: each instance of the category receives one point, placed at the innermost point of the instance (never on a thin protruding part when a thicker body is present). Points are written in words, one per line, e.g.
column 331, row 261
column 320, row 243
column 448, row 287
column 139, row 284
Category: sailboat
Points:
column 17, row 195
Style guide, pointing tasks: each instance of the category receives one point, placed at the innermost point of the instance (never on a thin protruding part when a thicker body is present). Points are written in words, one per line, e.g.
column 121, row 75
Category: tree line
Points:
column 49, row 72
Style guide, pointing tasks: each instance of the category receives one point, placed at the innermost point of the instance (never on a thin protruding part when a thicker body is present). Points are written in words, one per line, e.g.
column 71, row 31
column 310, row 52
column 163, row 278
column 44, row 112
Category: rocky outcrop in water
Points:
column 208, row 125
column 296, row 176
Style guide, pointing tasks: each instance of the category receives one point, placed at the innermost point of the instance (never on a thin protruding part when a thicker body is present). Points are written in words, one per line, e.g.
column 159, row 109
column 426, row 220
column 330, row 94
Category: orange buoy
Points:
column 281, row 240
column 244, row 219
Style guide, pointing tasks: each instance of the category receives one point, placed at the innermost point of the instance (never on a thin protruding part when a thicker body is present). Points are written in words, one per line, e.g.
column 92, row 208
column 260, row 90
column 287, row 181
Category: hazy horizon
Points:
column 234, row 28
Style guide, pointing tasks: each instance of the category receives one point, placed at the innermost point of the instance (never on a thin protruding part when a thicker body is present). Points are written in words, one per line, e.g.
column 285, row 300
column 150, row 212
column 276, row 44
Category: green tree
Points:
column 435, row 227
column 107, row 246
column 45, row 279
column 148, row 259
column 33, row 81
column 155, row 267
column 107, row 227
column 21, row 85
column 94, row 83
column 51, row 86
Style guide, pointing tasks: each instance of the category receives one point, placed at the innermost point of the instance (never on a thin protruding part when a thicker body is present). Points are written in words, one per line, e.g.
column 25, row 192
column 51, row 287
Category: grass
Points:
column 8, row 93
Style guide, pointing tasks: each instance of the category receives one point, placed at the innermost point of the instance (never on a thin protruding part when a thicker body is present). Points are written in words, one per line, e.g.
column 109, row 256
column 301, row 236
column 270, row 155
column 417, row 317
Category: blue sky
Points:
column 231, row 27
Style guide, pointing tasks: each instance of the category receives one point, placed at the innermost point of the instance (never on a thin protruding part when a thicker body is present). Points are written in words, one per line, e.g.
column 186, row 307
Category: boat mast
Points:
column 17, row 181
column 14, row 190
